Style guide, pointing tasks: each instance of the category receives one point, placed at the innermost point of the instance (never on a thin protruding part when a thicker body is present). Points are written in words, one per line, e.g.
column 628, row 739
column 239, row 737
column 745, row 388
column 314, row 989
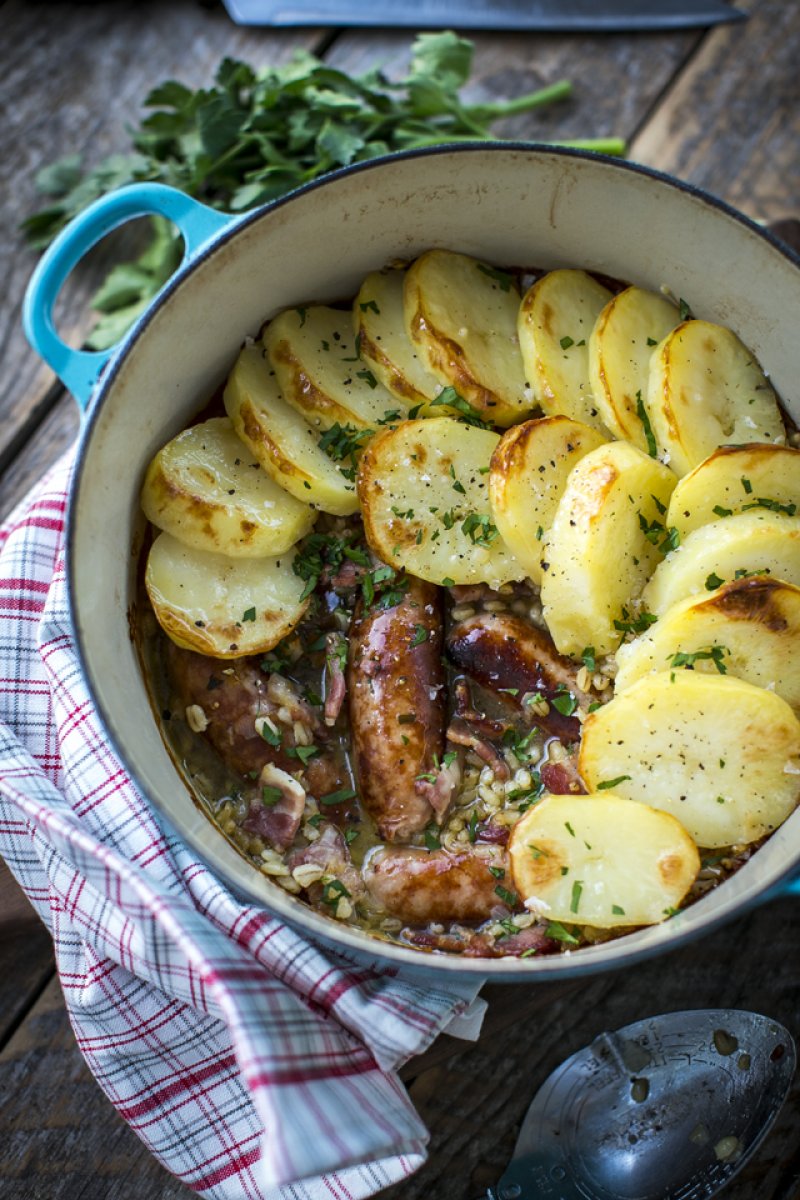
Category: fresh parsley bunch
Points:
column 254, row 136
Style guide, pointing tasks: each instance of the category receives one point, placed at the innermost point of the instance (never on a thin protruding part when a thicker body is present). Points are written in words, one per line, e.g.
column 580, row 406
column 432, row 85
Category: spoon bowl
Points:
column 669, row 1108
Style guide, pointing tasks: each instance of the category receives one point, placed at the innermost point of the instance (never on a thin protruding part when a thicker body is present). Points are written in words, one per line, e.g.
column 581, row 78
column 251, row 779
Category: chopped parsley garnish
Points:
column 605, row 784
column 343, row 442
column 498, row 872
column 472, row 826
column 338, row 797
column 539, row 533
column 713, row 581
column 350, row 835
column 304, row 753
column 389, row 417
column 617, row 910
column 639, row 624
column 500, row 277
column 569, row 828
column 575, row 900
column 470, row 415
column 270, row 735
column 558, row 933
column 509, row 898
column 368, row 378
column 432, row 837
column 566, row 342
column 642, row 414
column 722, row 512
column 420, row 635
column 652, row 342
column 270, row 796
column 301, row 312
column 537, row 852
column 333, row 892
column 386, row 584
column 564, row 702
column 662, row 508
column 249, row 614
column 684, row 312
column 747, row 485
column 713, row 654
column 772, row 505
column 480, row 529
column 370, row 306
column 448, row 582
column 324, row 550
column 589, row 660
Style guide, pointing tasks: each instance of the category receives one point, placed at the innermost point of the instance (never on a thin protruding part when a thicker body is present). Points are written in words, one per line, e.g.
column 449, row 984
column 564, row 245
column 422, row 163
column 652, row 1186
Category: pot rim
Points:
column 615, row 954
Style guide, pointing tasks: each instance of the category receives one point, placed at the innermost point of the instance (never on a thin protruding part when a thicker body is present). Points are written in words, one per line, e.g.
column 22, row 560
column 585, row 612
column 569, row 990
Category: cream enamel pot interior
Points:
column 508, row 204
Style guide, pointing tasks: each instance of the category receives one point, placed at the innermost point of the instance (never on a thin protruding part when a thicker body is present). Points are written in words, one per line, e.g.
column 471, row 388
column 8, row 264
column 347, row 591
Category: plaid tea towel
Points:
column 251, row 1062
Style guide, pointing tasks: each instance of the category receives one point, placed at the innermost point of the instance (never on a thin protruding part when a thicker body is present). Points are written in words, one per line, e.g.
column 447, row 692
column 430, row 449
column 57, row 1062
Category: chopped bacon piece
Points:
column 329, row 851
column 562, row 778
column 335, row 691
column 277, row 823
column 460, row 733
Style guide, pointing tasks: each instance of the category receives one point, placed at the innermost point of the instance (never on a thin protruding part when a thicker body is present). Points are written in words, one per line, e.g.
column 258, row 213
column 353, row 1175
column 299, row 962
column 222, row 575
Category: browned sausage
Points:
column 421, row 886
column 396, row 693
column 232, row 694
column 514, row 658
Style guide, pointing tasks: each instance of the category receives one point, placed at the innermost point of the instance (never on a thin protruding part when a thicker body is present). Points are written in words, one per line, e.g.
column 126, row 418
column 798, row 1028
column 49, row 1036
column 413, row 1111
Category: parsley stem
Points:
column 496, row 109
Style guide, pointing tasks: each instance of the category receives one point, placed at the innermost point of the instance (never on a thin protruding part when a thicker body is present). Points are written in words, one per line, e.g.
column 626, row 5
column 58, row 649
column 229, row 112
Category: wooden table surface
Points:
column 720, row 109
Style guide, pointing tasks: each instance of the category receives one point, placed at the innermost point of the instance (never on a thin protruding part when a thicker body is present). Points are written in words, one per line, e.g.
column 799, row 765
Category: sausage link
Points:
column 422, row 886
column 514, row 658
column 396, row 693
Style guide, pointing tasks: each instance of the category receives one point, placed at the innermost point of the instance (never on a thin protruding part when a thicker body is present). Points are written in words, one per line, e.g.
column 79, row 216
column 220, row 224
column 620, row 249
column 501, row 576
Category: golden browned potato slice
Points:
column 225, row 607
column 745, row 544
column 528, row 474
column 620, row 348
column 737, row 479
column 555, row 322
column 749, row 628
column 282, row 440
column 604, row 541
column 601, row 860
column 203, row 489
column 462, row 316
column 386, row 347
column 423, row 488
column 706, row 390
column 319, row 372
column 719, row 754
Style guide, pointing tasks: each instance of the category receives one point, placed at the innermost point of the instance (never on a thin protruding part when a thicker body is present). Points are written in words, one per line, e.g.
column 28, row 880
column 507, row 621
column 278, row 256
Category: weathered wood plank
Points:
column 615, row 77
column 26, row 954
column 475, row 1102
column 731, row 121
column 64, row 1140
column 68, row 1142
column 77, row 76
column 56, row 433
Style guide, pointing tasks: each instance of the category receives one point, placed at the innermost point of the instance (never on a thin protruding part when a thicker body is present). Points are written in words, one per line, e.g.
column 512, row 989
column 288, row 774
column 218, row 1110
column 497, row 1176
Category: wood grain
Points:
column 66, row 1141
column 77, row 76
column 26, row 954
column 731, row 121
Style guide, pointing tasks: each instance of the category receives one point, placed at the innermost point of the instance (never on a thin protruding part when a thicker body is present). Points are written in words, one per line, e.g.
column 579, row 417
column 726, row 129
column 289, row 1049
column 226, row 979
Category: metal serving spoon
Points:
column 670, row 1108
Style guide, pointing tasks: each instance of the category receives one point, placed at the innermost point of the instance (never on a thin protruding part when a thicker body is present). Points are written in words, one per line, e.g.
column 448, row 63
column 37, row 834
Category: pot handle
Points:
column 79, row 370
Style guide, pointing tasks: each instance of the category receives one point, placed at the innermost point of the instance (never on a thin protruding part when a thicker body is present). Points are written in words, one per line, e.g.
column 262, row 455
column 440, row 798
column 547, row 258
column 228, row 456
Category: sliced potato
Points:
column 555, row 321
column 737, row 479
column 749, row 628
column 706, row 390
column 205, row 489
column 385, row 346
column 225, row 607
column 281, row 439
column 603, row 544
column 462, row 315
column 620, row 348
column 719, row 754
column 528, row 474
column 745, row 544
column 319, row 373
column 601, row 860
column 423, row 488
